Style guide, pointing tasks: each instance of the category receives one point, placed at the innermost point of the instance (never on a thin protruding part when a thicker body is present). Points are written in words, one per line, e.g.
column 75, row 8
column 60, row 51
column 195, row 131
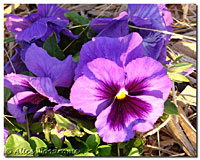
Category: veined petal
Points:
column 86, row 97
column 146, row 76
column 29, row 99
column 109, row 134
column 51, row 10
column 17, row 82
column 157, row 108
column 120, row 50
column 45, row 87
column 60, row 72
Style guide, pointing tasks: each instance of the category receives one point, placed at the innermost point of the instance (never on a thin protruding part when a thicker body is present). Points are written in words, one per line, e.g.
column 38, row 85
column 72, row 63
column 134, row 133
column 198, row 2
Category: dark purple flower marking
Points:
column 29, row 94
column 124, row 98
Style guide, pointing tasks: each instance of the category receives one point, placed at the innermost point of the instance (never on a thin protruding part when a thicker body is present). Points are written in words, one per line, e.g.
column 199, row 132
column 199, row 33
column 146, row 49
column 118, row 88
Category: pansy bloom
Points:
column 49, row 18
column 150, row 16
column 126, row 93
column 31, row 91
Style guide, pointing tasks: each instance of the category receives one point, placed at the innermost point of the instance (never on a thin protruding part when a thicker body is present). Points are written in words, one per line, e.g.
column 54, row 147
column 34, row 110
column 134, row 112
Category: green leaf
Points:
column 76, row 18
column 76, row 57
column 52, row 48
column 37, row 144
column 87, row 154
column 180, row 67
column 36, row 127
column 9, row 39
column 55, row 138
column 134, row 152
column 178, row 78
column 83, row 147
column 71, row 129
column 7, row 94
column 93, row 141
column 170, row 108
column 178, row 58
column 104, row 150
column 67, row 142
column 17, row 146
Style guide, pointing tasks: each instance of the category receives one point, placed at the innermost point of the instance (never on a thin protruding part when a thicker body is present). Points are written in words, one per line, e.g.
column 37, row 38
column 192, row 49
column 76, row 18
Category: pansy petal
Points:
column 34, row 31
column 109, row 134
column 148, row 77
column 45, row 87
column 17, row 82
column 115, row 27
column 60, row 72
column 106, row 71
column 153, row 44
column 16, row 24
column 85, row 96
column 17, row 63
column 120, row 50
column 29, row 99
column 157, row 108
column 39, row 112
column 51, row 10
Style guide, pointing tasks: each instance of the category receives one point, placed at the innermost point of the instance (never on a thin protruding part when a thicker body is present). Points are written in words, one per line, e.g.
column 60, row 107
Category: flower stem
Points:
column 118, row 150
column 27, row 127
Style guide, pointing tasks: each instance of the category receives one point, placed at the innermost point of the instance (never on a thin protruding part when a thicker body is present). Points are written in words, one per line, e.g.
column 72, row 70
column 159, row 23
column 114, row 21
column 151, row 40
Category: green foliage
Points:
column 36, row 127
column 104, row 150
column 178, row 78
column 76, row 57
column 134, row 152
column 76, row 18
column 37, row 144
column 178, row 58
column 9, row 39
column 55, row 138
column 7, row 94
column 180, row 67
column 93, row 141
column 170, row 108
column 17, row 146
column 87, row 154
column 71, row 129
column 52, row 48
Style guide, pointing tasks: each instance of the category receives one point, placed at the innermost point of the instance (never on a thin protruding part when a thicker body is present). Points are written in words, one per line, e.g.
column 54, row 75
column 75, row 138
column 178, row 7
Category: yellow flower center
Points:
column 122, row 94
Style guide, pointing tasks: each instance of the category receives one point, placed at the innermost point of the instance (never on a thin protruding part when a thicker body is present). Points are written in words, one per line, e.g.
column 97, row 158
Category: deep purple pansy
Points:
column 29, row 92
column 125, row 99
column 121, row 50
column 49, row 18
column 150, row 16
column 16, row 62
column 41, row 64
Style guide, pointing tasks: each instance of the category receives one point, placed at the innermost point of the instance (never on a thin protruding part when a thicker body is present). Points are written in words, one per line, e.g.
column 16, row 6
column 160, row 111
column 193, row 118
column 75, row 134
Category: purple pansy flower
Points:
column 49, row 18
column 124, row 99
column 151, row 16
column 17, row 63
column 29, row 93
column 121, row 50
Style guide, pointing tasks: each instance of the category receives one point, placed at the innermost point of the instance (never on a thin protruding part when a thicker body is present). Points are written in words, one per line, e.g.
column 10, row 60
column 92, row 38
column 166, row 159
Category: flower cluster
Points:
column 119, row 78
